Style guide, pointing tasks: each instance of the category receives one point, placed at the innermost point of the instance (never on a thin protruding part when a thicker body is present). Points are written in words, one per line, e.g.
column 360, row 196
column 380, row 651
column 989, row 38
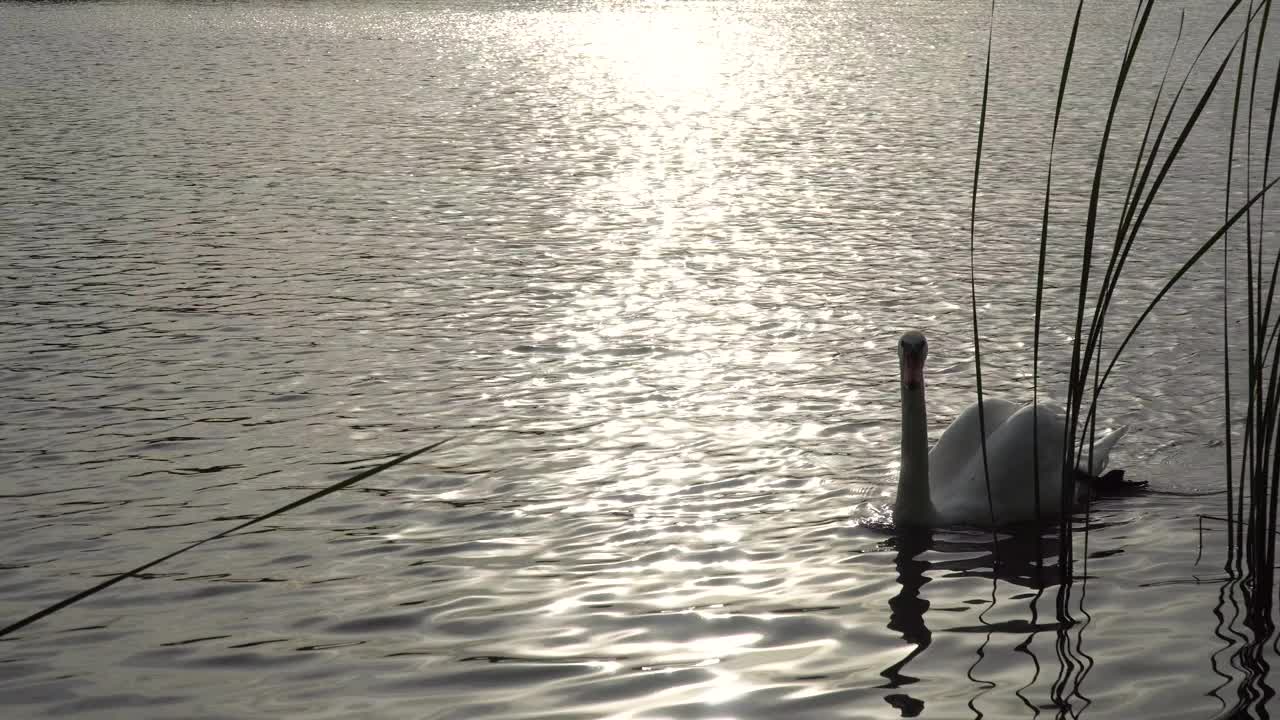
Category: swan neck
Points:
column 913, row 505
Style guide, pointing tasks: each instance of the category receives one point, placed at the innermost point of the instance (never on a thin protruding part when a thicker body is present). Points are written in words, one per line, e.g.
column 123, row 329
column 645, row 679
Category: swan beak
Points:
column 912, row 370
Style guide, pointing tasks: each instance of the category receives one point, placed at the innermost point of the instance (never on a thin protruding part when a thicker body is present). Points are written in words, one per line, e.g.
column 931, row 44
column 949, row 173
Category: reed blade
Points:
column 67, row 602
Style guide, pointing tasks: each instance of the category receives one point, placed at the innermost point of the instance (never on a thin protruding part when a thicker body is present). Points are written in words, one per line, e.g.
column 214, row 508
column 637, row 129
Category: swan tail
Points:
column 1101, row 452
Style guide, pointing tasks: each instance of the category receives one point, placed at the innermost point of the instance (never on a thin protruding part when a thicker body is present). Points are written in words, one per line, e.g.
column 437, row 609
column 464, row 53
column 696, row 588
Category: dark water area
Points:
column 644, row 264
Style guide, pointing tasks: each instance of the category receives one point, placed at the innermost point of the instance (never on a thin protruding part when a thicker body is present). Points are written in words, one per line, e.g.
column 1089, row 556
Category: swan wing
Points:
column 962, row 438
column 1101, row 453
column 1013, row 463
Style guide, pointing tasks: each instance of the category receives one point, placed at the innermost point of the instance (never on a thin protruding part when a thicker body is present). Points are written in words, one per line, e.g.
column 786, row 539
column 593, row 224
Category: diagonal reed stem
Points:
column 67, row 602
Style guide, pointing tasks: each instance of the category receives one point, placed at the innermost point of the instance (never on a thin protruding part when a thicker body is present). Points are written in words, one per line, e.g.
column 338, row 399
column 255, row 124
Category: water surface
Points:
column 644, row 264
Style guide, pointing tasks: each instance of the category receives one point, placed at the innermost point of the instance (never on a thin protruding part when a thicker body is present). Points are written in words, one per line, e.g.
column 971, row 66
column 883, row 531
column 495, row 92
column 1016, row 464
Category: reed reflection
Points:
column 1246, row 645
column 1022, row 557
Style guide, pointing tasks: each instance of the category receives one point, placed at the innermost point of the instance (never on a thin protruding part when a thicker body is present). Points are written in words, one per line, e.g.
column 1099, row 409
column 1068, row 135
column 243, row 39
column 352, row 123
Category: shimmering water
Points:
column 645, row 265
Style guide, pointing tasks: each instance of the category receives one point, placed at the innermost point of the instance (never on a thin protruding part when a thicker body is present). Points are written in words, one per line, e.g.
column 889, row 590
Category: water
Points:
column 645, row 265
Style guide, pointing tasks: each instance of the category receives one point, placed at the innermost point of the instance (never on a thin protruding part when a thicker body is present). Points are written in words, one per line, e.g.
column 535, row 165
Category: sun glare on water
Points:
column 685, row 284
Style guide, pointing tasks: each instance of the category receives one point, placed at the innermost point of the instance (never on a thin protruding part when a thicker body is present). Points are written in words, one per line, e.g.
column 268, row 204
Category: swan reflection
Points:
column 906, row 614
column 1021, row 558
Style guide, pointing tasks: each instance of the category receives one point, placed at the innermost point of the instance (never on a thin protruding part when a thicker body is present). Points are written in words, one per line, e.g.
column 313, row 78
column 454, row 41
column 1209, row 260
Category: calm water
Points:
column 645, row 265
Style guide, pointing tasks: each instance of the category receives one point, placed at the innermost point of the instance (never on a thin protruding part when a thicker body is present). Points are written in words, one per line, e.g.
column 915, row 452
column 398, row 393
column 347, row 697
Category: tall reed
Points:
column 1253, row 492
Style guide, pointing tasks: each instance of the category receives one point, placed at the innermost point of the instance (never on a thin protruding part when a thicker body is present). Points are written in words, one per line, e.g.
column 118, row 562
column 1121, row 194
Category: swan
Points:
column 945, row 486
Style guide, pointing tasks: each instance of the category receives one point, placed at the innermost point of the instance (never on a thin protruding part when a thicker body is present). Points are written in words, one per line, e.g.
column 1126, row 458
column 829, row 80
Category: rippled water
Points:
column 644, row 264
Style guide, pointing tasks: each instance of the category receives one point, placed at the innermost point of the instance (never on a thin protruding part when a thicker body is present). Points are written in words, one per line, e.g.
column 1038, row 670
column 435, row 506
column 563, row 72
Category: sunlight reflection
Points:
column 683, row 307
column 727, row 535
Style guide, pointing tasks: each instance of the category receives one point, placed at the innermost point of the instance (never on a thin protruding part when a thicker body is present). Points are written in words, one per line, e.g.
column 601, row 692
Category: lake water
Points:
column 644, row 264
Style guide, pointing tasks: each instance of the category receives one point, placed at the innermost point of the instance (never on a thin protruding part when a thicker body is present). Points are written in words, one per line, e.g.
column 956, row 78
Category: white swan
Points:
column 945, row 486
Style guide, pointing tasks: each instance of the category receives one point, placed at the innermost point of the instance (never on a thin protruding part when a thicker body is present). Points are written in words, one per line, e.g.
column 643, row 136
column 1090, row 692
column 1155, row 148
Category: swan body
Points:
column 947, row 485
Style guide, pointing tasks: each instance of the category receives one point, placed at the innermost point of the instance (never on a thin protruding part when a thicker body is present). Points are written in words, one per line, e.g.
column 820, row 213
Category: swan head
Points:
column 912, row 351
